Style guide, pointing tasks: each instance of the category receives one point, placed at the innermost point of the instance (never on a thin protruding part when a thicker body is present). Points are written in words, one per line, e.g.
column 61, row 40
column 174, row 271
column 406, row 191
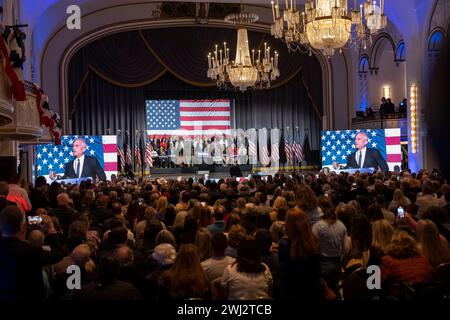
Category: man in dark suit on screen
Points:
column 365, row 157
column 83, row 165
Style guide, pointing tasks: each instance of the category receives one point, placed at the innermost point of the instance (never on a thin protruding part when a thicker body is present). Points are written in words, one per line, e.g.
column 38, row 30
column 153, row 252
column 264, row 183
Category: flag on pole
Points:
column 137, row 152
column 288, row 148
column 296, row 147
column 148, row 152
column 120, row 151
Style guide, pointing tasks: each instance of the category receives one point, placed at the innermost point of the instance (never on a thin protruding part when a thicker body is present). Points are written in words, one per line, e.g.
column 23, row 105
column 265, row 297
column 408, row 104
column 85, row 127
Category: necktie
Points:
column 78, row 168
column 360, row 159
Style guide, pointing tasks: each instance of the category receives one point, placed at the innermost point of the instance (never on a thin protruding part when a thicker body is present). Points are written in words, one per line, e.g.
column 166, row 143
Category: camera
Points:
column 34, row 220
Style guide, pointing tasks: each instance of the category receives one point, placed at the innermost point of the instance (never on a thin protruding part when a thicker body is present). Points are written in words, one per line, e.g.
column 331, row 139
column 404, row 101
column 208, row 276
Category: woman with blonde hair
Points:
column 382, row 232
column 399, row 200
column 403, row 263
column 161, row 206
column 279, row 202
column 432, row 245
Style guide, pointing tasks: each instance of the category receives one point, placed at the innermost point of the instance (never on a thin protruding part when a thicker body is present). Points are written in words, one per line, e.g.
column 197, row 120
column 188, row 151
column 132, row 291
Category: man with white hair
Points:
column 83, row 165
column 64, row 212
column 365, row 157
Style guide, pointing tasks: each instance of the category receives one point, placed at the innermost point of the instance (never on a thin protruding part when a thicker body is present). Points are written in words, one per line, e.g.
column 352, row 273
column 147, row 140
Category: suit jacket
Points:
column 5, row 202
column 373, row 159
column 91, row 168
column 21, row 267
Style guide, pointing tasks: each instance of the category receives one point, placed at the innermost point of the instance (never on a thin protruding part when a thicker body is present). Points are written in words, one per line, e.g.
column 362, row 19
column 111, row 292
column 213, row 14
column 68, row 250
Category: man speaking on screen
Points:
column 82, row 165
column 365, row 157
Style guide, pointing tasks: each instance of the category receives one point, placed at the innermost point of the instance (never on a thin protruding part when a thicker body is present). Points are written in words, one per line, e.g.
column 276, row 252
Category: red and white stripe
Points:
column 110, row 155
column 288, row 150
column 198, row 117
column 393, row 148
column 148, row 156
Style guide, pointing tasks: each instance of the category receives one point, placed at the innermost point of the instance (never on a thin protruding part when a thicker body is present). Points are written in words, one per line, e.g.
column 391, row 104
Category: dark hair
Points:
column 118, row 235
column 281, row 213
column 361, row 234
column 263, row 221
column 40, row 181
column 263, row 198
column 375, row 213
column 219, row 212
column 108, row 269
column 11, row 219
column 436, row 214
column 116, row 208
column 219, row 243
column 264, row 240
column 249, row 256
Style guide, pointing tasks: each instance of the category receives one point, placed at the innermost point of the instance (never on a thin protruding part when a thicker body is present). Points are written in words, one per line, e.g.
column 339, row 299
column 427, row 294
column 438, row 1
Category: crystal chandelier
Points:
column 245, row 70
column 327, row 25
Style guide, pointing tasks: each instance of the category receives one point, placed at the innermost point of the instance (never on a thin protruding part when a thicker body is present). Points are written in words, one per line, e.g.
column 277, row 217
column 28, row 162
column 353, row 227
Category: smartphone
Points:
column 400, row 213
column 34, row 220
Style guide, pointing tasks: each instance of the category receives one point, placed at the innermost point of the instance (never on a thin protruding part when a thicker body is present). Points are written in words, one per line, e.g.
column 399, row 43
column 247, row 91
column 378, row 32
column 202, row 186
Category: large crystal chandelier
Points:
column 245, row 70
column 327, row 25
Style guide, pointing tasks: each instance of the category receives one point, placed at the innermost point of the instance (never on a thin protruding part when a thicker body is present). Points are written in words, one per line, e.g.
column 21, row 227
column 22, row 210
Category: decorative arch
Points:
column 436, row 39
column 400, row 52
column 378, row 47
column 363, row 66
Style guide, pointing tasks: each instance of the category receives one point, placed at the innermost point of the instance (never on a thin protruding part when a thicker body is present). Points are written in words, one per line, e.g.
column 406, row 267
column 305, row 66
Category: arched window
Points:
column 435, row 41
column 363, row 70
column 400, row 52
column 363, row 64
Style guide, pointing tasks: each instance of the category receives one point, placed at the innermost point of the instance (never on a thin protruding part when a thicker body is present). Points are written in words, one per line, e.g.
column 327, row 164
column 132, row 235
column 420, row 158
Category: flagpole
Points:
column 298, row 136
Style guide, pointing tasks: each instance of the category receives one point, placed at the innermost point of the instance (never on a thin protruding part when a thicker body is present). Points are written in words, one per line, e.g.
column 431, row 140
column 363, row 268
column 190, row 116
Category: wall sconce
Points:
column 413, row 118
column 387, row 92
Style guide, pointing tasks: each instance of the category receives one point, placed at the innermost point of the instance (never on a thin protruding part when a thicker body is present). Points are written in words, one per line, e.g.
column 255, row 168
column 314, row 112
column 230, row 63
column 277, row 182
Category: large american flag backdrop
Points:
column 51, row 157
column 338, row 145
column 187, row 117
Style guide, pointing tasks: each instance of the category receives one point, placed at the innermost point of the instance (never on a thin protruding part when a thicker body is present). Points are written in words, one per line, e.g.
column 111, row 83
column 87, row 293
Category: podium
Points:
column 354, row 170
column 73, row 180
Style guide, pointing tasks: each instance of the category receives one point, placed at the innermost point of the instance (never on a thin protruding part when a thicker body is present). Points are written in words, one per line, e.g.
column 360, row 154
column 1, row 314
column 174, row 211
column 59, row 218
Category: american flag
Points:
column 148, row 154
column 275, row 148
column 338, row 145
column 137, row 156
column 187, row 117
column 51, row 157
column 128, row 159
column 288, row 151
column 297, row 151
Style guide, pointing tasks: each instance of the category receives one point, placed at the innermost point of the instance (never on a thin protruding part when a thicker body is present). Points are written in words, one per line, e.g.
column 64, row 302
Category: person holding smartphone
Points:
column 21, row 267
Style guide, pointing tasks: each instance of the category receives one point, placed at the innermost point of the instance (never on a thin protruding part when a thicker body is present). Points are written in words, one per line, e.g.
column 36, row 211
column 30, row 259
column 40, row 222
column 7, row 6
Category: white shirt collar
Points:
column 81, row 164
column 363, row 156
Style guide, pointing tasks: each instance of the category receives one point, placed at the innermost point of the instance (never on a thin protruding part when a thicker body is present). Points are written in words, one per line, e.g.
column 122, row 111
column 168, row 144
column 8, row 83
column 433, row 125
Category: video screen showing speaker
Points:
column 77, row 158
column 377, row 149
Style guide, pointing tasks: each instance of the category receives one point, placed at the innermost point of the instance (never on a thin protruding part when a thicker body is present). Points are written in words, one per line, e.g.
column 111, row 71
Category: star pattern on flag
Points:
column 338, row 145
column 163, row 114
column 53, row 157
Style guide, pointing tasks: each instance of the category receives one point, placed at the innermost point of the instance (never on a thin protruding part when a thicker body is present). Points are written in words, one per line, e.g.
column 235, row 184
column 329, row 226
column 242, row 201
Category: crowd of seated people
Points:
column 285, row 237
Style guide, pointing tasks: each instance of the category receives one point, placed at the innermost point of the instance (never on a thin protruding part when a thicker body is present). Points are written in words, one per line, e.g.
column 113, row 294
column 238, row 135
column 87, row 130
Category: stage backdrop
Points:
column 111, row 78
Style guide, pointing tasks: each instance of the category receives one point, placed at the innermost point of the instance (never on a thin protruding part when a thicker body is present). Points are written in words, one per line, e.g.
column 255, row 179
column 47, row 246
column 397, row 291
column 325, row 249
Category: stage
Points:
column 218, row 172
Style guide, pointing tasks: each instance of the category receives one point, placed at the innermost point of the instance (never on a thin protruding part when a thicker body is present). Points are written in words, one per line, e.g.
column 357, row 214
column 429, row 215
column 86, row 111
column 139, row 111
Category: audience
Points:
column 287, row 237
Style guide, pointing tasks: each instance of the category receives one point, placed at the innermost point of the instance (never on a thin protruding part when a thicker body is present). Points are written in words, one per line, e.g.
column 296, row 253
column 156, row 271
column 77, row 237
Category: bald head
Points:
column 125, row 255
column 36, row 238
column 361, row 140
column 63, row 199
column 81, row 255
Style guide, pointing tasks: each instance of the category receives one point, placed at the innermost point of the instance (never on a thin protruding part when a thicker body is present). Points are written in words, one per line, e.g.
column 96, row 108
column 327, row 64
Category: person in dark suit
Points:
column 4, row 190
column 21, row 263
column 365, row 157
column 83, row 165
